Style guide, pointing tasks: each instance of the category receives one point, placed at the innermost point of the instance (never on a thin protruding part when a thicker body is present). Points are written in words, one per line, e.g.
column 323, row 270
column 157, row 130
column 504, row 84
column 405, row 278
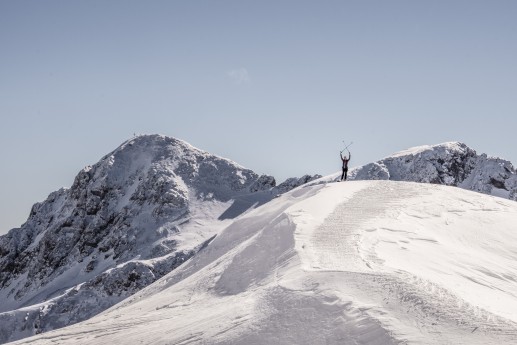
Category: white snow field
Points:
column 358, row 262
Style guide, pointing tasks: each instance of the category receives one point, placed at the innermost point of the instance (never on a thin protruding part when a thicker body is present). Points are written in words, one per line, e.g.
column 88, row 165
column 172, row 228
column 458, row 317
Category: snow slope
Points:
column 361, row 262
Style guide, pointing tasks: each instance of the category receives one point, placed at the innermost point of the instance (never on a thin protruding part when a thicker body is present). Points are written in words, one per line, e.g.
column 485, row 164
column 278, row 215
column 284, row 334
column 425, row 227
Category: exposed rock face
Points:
column 453, row 164
column 295, row 182
column 137, row 214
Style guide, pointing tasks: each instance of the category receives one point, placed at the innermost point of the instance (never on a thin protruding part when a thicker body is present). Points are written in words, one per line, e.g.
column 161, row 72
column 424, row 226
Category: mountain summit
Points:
column 451, row 164
column 126, row 221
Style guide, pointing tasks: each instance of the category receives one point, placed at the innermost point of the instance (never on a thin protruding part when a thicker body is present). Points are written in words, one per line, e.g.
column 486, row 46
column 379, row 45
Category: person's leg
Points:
column 343, row 174
column 346, row 173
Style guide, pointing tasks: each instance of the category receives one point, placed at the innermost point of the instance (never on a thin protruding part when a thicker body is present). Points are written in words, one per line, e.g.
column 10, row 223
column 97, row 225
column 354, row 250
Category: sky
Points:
column 276, row 86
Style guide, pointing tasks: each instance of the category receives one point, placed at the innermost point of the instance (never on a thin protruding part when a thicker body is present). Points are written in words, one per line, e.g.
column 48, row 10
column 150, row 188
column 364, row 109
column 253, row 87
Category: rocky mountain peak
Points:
column 129, row 219
column 451, row 163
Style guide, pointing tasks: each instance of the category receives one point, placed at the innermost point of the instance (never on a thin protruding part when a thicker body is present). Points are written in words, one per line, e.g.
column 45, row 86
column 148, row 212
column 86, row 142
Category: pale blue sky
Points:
column 273, row 85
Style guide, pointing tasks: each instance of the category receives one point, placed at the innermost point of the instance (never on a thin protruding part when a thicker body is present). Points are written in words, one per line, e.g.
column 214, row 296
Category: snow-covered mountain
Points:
column 157, row 202
column 452, row 164
column 359, row 262
column 128, row 220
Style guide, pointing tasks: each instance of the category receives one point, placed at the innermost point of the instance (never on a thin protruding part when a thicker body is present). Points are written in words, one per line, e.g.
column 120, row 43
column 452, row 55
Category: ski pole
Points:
column 347, row 146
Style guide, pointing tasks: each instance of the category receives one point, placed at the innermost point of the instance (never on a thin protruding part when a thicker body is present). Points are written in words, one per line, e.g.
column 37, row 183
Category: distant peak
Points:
column 146, row 139
column 447, row 146
column 154, row 144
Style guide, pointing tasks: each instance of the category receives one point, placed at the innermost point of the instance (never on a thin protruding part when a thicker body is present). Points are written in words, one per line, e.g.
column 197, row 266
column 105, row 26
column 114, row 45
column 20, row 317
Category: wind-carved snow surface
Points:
column 128, row 220
column 452, row 164
column 360, row 262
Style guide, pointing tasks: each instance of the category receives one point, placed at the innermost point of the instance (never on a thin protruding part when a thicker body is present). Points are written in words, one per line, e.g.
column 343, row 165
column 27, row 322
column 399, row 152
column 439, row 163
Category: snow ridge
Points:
column 360, row 262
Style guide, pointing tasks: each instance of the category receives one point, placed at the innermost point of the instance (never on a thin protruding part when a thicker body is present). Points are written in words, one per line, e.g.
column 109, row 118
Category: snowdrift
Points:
column 360, row 262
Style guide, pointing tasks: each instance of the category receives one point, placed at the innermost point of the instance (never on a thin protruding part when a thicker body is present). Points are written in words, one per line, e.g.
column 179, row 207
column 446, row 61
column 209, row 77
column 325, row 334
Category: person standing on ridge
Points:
column 345, row 164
